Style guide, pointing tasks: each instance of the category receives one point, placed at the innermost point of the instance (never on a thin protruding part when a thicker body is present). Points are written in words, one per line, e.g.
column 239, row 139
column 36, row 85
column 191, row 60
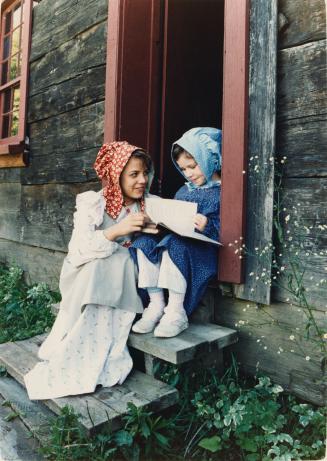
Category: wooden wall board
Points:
column 86, row 50
column 304, row 201
column 57, row 21
column 261, row 148
column 301, row 84
column 265, row 346
column 41, row 215
column 61, row 167
column 39, row 264
column 81, row 90
column 303, row 142
column 10, row 175
column 303, row 21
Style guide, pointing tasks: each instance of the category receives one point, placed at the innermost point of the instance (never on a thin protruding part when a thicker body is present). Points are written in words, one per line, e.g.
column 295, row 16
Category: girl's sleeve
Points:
column 213, row 226
column 86, row 242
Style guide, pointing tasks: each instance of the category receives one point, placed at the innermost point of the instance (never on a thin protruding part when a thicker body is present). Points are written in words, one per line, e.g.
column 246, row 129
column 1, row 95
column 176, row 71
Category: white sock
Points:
column 157, row 300
column 175, row 302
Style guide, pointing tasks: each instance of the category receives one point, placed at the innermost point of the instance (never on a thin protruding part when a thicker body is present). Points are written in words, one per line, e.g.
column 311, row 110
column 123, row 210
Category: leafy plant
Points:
column 24, row 310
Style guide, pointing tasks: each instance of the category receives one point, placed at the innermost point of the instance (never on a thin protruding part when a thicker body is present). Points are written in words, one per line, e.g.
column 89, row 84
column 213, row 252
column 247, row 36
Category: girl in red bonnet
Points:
column 97, row 311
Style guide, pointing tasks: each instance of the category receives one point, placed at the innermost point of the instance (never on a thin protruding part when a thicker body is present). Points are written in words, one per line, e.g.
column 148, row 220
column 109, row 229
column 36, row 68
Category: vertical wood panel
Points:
column 261, row 150
column 234, row 126
column 133, row 72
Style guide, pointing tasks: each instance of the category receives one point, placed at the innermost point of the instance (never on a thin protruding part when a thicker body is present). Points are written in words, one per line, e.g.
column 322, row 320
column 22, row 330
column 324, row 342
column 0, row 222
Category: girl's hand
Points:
column 200, row 222
column 134, row 222
column 150, row 228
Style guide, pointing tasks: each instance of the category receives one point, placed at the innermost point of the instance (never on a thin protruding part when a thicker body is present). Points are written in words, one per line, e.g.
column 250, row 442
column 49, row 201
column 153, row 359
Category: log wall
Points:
column 301, row 136
column 65, row 123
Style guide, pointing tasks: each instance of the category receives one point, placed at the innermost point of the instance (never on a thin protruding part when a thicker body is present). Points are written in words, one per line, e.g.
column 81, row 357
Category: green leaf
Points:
column 123, row 438
column 249, row 445
column 11, row 416
column 212, row 444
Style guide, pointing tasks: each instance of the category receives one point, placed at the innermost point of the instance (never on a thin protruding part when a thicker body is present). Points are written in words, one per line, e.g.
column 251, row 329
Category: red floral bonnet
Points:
column 109, row 164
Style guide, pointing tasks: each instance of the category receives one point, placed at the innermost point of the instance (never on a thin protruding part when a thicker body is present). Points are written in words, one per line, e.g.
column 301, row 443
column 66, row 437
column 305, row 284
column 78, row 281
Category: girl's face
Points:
column 133, row 180
column 191, row 169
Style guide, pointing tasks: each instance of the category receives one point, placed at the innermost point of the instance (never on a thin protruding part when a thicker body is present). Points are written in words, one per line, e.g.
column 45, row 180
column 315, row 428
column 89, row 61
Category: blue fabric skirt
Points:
column 197, row 261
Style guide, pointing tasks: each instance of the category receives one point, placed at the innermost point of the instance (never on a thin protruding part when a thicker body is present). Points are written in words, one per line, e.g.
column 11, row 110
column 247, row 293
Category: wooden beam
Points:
column 234, row 127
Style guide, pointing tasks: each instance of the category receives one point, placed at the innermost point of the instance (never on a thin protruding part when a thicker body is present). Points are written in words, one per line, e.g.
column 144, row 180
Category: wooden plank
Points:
column 61, row 167
column 82, row 89
column 38, row 264
column 86, row 50
column 73, row 131
column 302, row 81
column 261, row 149
column 56, row 22
column 304, row 200
column 13, row 160
column 197, row 340
column 303, row 142
column 35, row 416
column 265, row 345
column 106, row 405
column 42, row 217
column 235, row 133
column 302, row 21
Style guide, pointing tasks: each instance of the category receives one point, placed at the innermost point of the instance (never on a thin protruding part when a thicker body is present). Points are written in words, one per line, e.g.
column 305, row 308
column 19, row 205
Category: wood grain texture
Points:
column 67, row 19
column 261, row 146
column 41, row 216
column 304, row 21
column 38, row 264
column 301, row 89
column 304, row 201
column 69, row 59
column 265, row 346
column 81, row 90
column 303, row 142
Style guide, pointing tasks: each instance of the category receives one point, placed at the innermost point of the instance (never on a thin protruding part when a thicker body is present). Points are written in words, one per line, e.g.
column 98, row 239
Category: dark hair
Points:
column 144, row 156
column 178, row 151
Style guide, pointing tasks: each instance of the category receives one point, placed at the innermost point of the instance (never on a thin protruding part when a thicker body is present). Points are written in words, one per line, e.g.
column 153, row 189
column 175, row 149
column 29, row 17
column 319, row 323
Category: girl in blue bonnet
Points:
column 183, row 266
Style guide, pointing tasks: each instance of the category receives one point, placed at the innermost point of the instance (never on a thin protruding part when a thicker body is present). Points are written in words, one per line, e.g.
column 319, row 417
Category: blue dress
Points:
column 197, row 261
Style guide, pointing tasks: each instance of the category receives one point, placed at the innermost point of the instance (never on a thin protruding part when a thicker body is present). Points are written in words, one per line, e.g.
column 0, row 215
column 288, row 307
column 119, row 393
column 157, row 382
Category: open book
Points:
column 175, row 215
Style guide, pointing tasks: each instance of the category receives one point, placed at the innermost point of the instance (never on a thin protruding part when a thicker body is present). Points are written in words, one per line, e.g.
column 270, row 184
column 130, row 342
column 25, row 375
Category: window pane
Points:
column 17, row 16
column 5, row 126
column 7, row 101
column 7, row 22
column 13, row 73
column 19, row 63
column 6, row 47
column 14, row 124
column 4, row 76
column 16, row 99
column 15, row 41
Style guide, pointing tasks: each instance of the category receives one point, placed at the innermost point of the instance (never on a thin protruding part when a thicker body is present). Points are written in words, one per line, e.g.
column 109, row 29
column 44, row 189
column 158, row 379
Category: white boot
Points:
column 152, row 314
column 175, row 320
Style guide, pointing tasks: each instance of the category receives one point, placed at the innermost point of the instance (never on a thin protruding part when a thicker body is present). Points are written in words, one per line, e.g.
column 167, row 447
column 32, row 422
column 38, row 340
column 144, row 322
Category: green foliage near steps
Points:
column 216, row 419
column 25, row 311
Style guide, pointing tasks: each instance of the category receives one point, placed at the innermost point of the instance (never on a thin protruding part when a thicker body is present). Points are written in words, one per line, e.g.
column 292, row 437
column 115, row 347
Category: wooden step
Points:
column 36, row 417
column 195, row 342
column 105, row 404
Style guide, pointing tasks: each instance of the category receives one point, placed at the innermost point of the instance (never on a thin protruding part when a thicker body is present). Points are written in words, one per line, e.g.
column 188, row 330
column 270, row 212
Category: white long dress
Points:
column 87, row 343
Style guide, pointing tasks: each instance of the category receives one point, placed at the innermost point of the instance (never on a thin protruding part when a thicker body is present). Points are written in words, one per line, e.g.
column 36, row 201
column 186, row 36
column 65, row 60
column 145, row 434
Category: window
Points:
column 14, row 55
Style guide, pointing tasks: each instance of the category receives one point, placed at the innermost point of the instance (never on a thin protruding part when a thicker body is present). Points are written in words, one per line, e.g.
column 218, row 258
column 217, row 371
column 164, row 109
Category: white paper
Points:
column 176, row 215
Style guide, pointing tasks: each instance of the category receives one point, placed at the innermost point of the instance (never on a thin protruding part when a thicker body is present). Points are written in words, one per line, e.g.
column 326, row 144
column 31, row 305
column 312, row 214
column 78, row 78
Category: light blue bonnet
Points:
column 204, row 144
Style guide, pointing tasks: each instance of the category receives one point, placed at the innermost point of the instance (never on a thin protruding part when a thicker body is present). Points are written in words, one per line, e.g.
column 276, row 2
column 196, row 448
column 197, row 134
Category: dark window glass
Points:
column 4, row 75
column 5, row 126
column 13, row 67
column 7, row 22
column 7, row 101
column 6, row 47
column 14, row 124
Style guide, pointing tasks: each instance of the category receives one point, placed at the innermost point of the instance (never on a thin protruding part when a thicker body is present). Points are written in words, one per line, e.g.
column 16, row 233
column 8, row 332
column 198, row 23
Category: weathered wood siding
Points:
column 301, row 136
column 65, row 123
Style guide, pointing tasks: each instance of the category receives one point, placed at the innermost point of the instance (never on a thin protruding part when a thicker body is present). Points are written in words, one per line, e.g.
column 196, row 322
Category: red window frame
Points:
column 12, row 148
